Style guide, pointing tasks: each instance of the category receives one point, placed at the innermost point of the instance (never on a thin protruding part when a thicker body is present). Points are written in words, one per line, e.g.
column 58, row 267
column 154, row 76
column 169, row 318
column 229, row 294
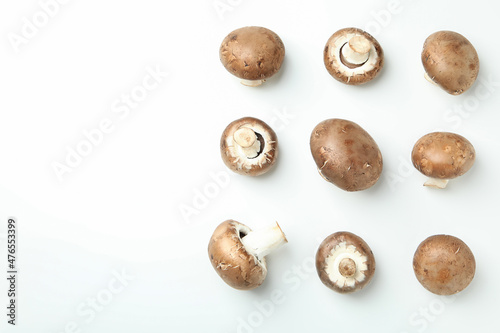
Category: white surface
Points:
column 120, row 208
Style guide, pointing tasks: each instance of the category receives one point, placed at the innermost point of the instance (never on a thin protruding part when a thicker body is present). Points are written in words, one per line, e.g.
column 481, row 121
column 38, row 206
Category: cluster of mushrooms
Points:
column 346, row 156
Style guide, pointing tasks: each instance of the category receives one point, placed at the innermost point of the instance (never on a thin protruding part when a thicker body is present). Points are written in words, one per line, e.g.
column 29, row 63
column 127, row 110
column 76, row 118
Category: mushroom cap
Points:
column 329, row 258
column 346, row 73
column 238, row 268
column 252, row 53
column 234, row 157
column 444, row 264
column 450, row 61
column 443, row 155
column 345, row 154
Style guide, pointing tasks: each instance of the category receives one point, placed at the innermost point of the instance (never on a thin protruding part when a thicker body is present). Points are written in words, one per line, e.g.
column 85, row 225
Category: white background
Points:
column 119, row 210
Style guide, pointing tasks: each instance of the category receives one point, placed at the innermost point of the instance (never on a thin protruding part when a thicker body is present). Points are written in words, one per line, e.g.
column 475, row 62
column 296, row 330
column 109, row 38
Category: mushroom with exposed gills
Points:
column 249, row 146
column 238, row 254
column 252, row 54
column 344, row 262
column 352, row 56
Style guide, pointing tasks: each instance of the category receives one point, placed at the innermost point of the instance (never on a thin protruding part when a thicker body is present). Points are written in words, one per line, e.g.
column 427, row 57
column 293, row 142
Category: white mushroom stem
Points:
column 252, row 83
column 357, row 51
column 428, row 78
column 347, row 267
column 245, row 137
column 436, row 183
column 262, row 242
column 246, row 140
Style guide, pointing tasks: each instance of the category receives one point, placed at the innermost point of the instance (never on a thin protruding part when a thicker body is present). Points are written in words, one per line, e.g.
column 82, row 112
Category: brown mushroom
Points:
column 252, row 54
column 444, row 264
column 442, row 156
column 450, row 61
column 249, row 146
column 353, row 56
column 345, row 154
column 344, row 262
column 238, row 254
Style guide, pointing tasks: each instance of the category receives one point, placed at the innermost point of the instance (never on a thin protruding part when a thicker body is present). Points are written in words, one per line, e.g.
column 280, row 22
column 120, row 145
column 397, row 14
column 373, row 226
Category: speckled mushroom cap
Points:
column 344, row 262
column 345, row 72
column 345, row 154
column 450, row 61
column 443, row 155
column 234, row 156
column 238, row 268
column 252, row 53
column 444, row 264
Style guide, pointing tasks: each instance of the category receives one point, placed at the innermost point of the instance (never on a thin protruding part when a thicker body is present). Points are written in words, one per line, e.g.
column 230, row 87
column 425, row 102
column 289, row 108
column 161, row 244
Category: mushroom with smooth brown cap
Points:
column 444, row 264
column 252, row 54
column 345, row 154
column 344, row 262
column 238, row 254
column 442, row 156
column 353, row 56
column 249, row 146
column 450, row 61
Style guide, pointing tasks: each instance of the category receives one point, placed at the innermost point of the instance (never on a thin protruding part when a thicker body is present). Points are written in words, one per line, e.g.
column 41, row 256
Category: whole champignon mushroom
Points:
column 442, row 156
column 344, row 262
column 238, row 254
column 249, row 146
column 353, row 56
column 252, row 54
column 345, row 154
column 444, row 264
column 450, row 61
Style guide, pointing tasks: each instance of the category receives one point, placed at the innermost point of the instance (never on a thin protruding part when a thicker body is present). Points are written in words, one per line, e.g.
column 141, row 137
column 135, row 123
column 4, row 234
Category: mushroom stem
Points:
column 262, row 242
column 357, row 50
column 347, row 267
column 436, row 183
column 246, row 139
column 252, row 83
column 428, row 78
